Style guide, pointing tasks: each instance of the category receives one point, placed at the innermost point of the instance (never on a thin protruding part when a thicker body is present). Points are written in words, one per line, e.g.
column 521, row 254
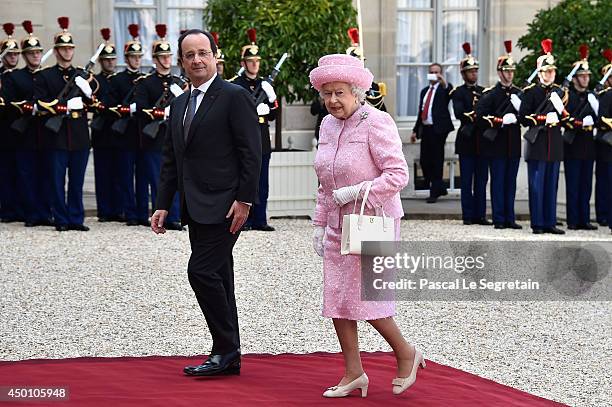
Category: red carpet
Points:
column 266, row 380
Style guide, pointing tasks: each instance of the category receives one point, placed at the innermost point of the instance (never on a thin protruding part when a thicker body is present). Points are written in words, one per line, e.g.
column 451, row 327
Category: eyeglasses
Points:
column 190, row 56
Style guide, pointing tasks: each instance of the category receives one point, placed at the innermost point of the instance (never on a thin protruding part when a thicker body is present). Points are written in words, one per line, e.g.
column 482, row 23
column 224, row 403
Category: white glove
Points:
column 552, row 118
column 265, row 85
column 84, row 86
column 344, row 195
column 509, row 118
column 557, row 102
column 516, row 102
column 132, row 108
column 317, row 240
column 35, row 109
column 75, row 104
column 588, row 121
column 594, row 103
column 176, row 90
column 166, row 112
column 263, row 109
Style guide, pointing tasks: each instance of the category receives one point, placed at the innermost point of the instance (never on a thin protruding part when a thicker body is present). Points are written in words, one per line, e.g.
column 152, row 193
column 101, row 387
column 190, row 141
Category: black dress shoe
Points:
column 45, row 222
column 80, row 228
column 554, row 230
column 132, row 222
column 104, row 219
column 61, row 228
column 589, row 226
column 216, row 365
column 573, row 227
column 29, row 224
column 244, row 228
column 467, row 222
column 559, row 223
column 263, row 228
column 603, row 223
column 432, row 199
column 173, row 226
column 500, row 226
column 144, row 223
column 483, row 222
column 513, row 225
column 537, row 231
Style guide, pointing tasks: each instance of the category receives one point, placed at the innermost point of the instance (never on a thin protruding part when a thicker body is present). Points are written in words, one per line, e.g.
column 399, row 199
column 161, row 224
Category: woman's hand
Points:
column 317, row 240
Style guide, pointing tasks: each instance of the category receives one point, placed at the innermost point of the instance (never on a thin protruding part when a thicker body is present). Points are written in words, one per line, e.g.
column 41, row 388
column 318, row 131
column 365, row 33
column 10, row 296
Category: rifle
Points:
column 258, row 94
column 120, row 126
column 70, row 90
column 152, row 128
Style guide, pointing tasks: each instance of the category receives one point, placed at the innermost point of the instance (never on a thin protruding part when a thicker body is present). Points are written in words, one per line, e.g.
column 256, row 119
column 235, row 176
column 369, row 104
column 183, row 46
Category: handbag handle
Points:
column 363, row 202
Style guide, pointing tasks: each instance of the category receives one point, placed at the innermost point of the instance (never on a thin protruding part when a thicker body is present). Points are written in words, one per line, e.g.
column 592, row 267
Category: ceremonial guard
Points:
column 249, row 79
column 10, row 207
column 500, row 143
column 603, row 161
column 125, row 128
column 62, row 93
column 106, row 168
column 377, row 92
column 604, row 135
column 152, row 96
column 542, row 109
column 473, row 168
column 219, row 55
column 27, row 132
column 579, row 148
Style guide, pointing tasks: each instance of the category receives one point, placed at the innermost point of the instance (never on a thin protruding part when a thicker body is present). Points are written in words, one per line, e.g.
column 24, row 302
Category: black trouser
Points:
column 211, row 275
column 432, row 159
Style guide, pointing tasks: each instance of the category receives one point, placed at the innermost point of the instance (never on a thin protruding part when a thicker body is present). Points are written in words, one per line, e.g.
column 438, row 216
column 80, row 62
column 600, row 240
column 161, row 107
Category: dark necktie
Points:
column 191, row 111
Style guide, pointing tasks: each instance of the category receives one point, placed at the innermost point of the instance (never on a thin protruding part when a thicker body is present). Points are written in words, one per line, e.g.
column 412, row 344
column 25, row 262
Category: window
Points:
column 176, row 14
column 431, row 31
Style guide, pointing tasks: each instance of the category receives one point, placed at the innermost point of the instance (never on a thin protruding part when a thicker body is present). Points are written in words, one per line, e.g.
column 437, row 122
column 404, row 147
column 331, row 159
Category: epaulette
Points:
column 232, row 79
column 485, row 90
column 453, row 90
column 141, row 77
column 111, row 75
column 601, row 92
column 528, row 87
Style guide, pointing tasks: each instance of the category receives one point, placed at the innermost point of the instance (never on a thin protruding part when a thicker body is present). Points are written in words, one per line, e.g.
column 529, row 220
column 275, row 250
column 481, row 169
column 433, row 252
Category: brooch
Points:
column 362, row 117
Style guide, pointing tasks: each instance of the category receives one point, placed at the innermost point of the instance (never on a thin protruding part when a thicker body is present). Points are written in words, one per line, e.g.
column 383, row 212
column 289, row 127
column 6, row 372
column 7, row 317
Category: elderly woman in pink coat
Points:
column 357, row 143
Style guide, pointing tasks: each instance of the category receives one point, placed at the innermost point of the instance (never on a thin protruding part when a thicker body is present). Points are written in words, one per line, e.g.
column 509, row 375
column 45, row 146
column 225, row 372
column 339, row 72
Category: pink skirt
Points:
column 342, row 283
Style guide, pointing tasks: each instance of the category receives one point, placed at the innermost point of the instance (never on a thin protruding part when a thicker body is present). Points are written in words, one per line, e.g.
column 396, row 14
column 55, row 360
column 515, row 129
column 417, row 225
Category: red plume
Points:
column 252, row 33
column 608, row 54
column 546, row 46
column 508, row 46
column 584, row 51
column 9, row 28
column 353, row 34
column 27, row 26
column 133, row 29
column 467, row 48
column 63, row 22
column 105, row 33
column 160, row 29
column 215, row 36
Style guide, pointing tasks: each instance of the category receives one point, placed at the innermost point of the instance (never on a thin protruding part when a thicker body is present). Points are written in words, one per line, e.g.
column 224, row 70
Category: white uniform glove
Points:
column 344, row 195
column 132, row 108
column 84, row 86
column 594, row 103
column 588, row 121
column 509, row 118
column 166, row 112
column 516, row 102
column 263, row 109
column 75, row 104
column 557, row 102
column 265, row 85
column 552, row 118
column 317, row 240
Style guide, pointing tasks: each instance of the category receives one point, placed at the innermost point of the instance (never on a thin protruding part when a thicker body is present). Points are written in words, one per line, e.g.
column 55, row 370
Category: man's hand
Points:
column 240, row 212
column 413, row 137
column 157, row 221
column 442, row 81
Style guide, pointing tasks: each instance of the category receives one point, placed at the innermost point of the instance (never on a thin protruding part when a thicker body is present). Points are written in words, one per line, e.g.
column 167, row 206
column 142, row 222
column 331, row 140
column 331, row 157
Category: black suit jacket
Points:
column 440, row 115
column 220, row 160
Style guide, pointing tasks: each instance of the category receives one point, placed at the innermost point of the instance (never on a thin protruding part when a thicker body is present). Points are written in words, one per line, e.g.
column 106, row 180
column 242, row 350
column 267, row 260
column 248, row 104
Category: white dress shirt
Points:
column 203, row 88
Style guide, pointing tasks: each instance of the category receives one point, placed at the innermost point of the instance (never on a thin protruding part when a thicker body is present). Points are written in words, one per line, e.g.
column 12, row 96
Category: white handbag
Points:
column 357, row 228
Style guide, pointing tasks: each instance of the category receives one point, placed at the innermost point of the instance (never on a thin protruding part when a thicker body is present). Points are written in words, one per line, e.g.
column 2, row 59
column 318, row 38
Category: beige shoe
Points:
column 400, row 384
column 342, row 391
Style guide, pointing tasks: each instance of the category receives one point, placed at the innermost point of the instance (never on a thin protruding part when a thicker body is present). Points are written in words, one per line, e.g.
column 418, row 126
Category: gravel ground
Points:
column 119, row 291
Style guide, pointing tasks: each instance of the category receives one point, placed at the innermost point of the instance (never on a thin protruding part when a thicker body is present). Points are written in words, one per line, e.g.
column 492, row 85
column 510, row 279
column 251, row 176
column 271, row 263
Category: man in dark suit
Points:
column 212, row 156
column 432, row 127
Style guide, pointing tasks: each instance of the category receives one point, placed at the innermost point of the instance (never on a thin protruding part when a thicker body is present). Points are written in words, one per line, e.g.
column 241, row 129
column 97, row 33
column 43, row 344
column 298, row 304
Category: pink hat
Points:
column 341, row 68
